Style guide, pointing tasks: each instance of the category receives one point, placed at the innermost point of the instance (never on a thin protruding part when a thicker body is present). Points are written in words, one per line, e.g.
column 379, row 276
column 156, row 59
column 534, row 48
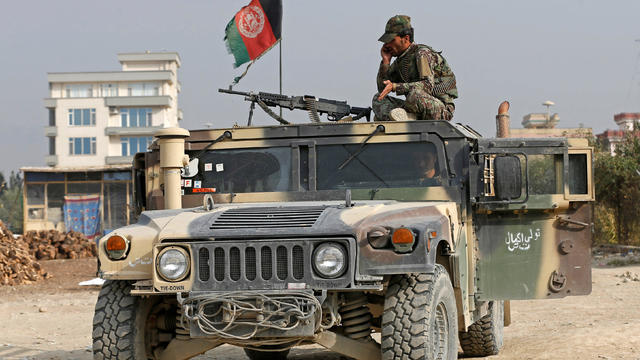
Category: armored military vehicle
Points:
column 394, row 240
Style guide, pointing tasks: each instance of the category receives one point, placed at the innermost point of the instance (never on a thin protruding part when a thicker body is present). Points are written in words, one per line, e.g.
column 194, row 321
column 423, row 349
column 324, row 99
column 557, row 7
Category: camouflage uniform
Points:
column 421, row 74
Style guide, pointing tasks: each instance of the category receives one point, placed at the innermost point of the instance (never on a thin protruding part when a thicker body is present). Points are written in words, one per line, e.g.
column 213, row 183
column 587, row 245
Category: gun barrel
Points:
column 226, row 91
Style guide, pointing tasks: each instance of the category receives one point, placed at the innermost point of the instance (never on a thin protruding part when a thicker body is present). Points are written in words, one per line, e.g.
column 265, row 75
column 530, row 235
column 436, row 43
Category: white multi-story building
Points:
column 627, row 122
column 97, row 122
column 104, row 118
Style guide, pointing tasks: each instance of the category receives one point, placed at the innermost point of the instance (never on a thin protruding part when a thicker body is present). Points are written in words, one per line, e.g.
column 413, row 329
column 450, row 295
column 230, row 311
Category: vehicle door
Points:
column 533, row 218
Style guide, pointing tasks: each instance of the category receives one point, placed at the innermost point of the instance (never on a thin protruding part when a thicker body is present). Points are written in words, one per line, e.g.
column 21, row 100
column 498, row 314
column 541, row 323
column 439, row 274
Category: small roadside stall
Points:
column 92, row 200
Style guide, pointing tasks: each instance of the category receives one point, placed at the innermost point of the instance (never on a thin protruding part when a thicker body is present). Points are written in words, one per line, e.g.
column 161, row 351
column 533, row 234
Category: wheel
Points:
column 485, row 336
column 420, row 318
column 266, row 355
column 122, row 323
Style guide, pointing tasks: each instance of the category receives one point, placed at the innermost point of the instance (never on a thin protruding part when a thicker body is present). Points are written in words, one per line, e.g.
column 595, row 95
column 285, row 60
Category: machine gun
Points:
column 336, row 110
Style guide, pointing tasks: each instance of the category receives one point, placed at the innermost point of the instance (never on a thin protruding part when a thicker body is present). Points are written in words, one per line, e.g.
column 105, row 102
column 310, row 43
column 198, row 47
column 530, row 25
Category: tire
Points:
column 119, row 322
column 266, row 355
column 485, row 336
column 420, row 318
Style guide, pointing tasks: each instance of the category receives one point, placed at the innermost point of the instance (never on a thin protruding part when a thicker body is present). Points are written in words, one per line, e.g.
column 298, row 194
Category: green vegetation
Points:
column 617, row 180
column 11, row 202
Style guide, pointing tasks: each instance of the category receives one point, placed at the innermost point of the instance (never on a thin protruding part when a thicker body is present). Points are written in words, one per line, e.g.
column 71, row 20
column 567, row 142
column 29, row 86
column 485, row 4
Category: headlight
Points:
column 173, row 263
column 330, row 260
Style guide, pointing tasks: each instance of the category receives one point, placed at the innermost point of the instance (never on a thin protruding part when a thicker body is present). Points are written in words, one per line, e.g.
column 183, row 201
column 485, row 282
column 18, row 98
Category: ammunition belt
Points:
column 444, row 86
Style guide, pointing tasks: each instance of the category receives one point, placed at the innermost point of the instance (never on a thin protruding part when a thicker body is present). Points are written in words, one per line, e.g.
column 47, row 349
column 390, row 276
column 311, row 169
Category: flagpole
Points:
column 280, row 46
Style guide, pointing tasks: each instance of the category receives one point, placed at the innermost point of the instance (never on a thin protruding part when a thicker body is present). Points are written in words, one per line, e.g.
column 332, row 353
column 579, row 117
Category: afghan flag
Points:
column 254, row 30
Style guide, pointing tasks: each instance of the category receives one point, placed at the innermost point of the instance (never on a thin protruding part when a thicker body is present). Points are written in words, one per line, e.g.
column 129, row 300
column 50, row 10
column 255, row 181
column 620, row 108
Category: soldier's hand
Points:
column 388, row 87
column 385, row 52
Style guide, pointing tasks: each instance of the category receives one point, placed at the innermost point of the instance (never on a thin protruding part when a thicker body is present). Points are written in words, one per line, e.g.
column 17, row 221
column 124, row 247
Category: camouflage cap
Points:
column 395, row 26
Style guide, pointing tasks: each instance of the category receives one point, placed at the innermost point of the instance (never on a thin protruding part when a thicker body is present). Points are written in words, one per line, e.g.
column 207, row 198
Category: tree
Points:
column 617, row 181
column 11, row 202
column 3, row 184
column 15, row 180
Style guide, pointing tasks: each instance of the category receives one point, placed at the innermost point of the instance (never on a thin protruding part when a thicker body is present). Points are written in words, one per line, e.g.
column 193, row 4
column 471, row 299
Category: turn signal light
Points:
column 116, row 243
column 116, row 247
column 402, row 236
column 432, row 235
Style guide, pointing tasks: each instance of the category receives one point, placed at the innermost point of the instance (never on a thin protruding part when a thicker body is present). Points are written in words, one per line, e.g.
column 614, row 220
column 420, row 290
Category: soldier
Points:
column 419, row 72
column 426, row 167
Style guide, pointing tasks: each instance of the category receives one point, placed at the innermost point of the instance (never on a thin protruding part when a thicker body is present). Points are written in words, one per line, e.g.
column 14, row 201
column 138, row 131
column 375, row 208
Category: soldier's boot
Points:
column 400, row 114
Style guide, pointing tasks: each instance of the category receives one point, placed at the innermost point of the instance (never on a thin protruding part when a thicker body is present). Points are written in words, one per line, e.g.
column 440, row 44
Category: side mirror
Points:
column 508, row 177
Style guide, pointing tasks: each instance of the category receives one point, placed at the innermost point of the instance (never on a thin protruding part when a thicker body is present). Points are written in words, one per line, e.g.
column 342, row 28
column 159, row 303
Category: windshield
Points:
column 242, row 170
column 378, row 165
column 374, row 165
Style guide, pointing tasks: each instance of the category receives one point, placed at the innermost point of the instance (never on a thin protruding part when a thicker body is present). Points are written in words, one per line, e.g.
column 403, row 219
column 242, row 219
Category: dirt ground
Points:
column 52, row 320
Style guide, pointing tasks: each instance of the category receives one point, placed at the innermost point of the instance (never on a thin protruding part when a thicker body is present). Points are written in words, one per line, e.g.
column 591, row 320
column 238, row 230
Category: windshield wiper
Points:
column 379, row 128
column 225, row 135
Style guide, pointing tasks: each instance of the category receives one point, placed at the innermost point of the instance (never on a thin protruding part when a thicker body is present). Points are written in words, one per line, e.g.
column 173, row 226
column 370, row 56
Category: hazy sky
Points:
column 582, row 55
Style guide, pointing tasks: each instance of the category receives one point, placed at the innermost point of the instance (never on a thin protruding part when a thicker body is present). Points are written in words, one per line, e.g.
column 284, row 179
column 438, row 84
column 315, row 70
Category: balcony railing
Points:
column 50, row 131
column 116, row 160
column 163, row 100
column 51, row 160
column 131, row 131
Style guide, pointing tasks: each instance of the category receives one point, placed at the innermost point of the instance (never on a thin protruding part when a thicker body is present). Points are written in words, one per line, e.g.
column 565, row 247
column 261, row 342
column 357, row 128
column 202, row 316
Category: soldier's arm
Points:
column 426, row 61
column 383, row 74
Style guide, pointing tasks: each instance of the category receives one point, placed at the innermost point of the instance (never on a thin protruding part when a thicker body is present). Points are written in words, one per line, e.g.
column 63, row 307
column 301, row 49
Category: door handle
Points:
column 566, row 220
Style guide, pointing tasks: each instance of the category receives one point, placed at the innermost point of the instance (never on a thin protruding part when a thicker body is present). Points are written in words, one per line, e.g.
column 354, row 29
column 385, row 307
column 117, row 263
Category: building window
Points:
column 82, row 117
column 82, row 146
column 144, row 89
column 52, row 117
column 35, row 201
column 136, row 117
column 109, row 90
column 82, row 90
column 35, row 194
column 133, row 145
column 52, row 145
column 55, row 202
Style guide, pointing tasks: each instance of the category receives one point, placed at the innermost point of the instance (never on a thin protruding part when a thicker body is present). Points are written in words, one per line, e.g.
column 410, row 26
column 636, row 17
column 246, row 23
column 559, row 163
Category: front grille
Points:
column 298, row 263
column 218, row 264
column 260, row 264
column 203, row 264
column 282, row 262
column 250, row 263
column 267, row 263
column 268, row 217
column 234, row 264
column 248, row 271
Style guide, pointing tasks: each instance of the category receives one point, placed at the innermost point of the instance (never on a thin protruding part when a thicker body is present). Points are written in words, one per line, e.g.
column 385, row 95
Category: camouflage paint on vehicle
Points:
column 541, row 248
column 534, row 246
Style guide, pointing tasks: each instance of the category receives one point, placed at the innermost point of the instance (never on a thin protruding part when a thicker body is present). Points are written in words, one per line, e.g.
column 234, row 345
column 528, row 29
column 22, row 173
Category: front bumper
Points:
column 243, row 315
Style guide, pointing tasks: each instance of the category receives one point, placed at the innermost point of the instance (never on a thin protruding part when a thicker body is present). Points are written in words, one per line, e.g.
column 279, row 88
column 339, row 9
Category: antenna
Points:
column 548, row 104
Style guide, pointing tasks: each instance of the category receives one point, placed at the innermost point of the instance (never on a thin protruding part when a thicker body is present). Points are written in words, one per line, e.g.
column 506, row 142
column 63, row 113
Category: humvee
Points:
column 273, row 237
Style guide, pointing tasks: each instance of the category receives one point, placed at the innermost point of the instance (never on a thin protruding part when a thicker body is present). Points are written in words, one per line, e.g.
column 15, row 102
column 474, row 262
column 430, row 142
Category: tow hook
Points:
column 557, row 281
